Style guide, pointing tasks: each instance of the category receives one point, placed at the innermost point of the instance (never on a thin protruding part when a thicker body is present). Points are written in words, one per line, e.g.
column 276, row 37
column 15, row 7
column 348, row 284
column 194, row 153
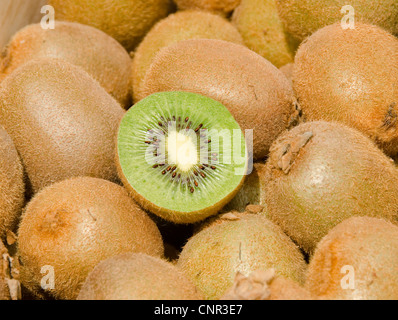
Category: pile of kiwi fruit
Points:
column 201, row 150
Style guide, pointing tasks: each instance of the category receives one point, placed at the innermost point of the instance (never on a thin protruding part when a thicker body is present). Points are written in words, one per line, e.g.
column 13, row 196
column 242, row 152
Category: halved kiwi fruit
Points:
column 72, row 225
column 125, row 20
column 320, row 173
column 351, row 76
column 62, row 122
column 182, row 25
column 303, row 18
column 238, row 242
column 356, row 260
column 97, row 53
column 137, row 276
column 182, row 155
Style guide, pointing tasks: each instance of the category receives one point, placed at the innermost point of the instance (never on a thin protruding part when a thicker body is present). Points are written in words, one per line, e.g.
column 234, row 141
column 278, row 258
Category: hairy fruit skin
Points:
column 73, row 225
column 363, row 249
column 256, row 93
column 222, row 7
column 320, row 173
column 351, row 76
column 137, row 276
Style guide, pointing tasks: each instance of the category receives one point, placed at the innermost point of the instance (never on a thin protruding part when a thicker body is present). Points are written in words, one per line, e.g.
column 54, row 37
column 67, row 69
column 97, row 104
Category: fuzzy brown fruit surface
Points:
column 356, row 260
column 242, row 242
column 303, row 18
column 320, row 173
column 70, row 226
column 125, row 20
column 351, row 76
column 62, row 122
column 182, row 25
column 98, row 54
column 12, row 185
column 256, row 93
column 222, row 7
column 137, row 276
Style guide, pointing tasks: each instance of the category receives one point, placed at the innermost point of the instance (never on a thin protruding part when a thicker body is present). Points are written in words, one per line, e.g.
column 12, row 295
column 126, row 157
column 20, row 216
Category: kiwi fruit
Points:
column 62, row 122
column 256, row 93
column 251, row 193
column 12, row 184
column 74, row 224
column 221, row 7
column 287, row 70
column 334, row 83
column 171, row 160
column 320, row 173
column 98, row 54
column 356, row 260
column 137, row 276
column 182, row 25
column 265, row 285
column 303, row 18
column 262, row 30
column 242, row 242
column 125, row 20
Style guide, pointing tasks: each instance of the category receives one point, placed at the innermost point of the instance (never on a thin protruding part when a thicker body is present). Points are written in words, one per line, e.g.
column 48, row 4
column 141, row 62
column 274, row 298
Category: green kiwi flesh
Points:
column 171, row 160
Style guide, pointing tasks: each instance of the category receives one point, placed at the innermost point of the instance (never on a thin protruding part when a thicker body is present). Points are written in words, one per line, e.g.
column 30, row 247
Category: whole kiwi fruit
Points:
column 356, row 260
column 125, row 20
column 12, row 184
column 72, row 225
column 334, row 82
column 137, row 276
column 97, row 53
column 263, row 32
column 241, row 242
column 62, row 122
column 222, row 7
column 256, row 93
column 320, row 173
column 303, row 18
column 182, row 25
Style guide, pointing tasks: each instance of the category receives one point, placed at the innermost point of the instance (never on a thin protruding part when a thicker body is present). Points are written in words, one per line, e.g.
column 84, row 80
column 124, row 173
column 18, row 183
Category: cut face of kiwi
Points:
column 182, row 155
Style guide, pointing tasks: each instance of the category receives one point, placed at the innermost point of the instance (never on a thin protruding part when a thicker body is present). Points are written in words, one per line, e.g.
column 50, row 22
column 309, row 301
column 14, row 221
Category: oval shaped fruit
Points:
column 12, row 185
column 137, row 276
column 356, row 260
column 125, row 20
column 256, row 93
column 262, row 30
column 241, row 242
column 182, row 25
column 222, row 7
column 98, row 54
column 351, row 76
column 72, row 225
column 181, row 155
column 303, row 18
column 320, row 173
column 62, row 122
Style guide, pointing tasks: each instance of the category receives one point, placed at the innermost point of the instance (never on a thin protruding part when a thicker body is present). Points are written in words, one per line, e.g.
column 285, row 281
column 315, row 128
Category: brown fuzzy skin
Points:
column 12, row 185
column 73, row 225
column 222, row 7
column 212, row 257
column 125, row 20
column 302, row 18
column 256, row 93
column 338, row 173
column 133, row 276
column 176, row 27
column 370, row 247
column 98, row 54
column 287, row 70
column 262, row 30
column 252, row 191
column 357, row 91
column 62, row 122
